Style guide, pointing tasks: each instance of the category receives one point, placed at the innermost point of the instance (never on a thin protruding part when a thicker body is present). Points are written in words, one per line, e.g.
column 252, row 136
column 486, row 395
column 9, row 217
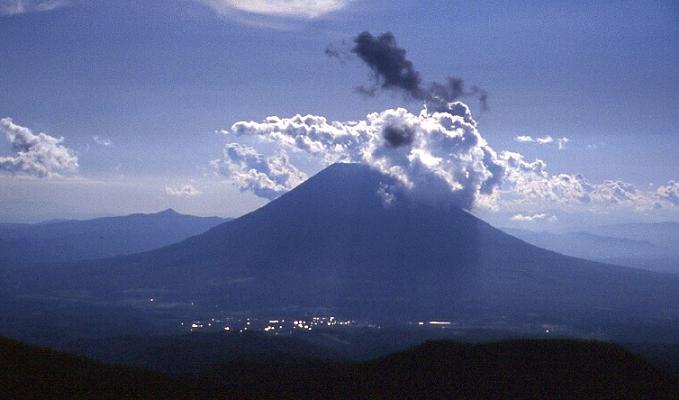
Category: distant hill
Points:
column 663, row 234
column 73, row 240
column 332, row 244
column 434, row 370
column 616, row 250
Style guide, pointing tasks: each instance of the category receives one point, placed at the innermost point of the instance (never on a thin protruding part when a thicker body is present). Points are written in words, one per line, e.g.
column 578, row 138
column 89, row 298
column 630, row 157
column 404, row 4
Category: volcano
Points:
column 333, row 243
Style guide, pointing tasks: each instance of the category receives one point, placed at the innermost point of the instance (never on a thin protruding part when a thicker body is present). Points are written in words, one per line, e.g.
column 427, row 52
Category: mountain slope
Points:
column 333, row 244
column 64, row 241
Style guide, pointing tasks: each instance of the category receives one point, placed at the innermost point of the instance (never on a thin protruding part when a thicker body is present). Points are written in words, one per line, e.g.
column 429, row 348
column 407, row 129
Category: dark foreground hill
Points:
column 29, row 372
column 434, row 370
column 72, row 240
column 333, row 244
column 446, row 370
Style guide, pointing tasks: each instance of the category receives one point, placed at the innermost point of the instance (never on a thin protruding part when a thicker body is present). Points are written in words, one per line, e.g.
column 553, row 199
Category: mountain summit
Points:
column 168, row 212
column 333, row 243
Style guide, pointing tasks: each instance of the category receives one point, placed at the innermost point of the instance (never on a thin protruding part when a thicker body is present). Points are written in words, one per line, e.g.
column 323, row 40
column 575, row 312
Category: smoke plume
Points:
column 392, row 70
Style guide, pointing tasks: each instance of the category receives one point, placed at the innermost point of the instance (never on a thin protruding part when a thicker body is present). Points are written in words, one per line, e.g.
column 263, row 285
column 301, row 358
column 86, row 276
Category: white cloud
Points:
column 281, row 8
column 530, row 182
column 106, row 142
column 187, row 190
column 15, row 7
column 433, row 154
column 669, row 192
column 534, row 217
column 265, row 177
column 616, row 192
column 560, row 142
column 38, row 155
column 524, row 139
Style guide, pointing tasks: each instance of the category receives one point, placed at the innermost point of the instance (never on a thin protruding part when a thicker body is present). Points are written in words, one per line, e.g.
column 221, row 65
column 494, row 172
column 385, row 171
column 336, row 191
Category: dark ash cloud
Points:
column 397, row 136
column 339, row 51
column 483, row 99
column 392, row 70
column 332, row 51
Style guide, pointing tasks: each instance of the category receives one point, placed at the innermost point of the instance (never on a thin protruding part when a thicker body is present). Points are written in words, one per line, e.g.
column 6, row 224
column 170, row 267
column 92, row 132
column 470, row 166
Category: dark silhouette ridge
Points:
column 30, row 372
column 435, row 370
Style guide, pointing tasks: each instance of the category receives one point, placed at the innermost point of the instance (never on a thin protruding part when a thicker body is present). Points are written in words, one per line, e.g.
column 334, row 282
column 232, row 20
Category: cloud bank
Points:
column 38, row 155
column 281, row 8
column 16, row 7
column 531, row 183
column 432, row 155
column 428, row 154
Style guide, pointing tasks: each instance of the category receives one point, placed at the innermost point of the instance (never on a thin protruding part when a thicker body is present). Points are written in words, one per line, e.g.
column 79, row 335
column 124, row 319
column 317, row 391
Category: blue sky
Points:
column 154, row 82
